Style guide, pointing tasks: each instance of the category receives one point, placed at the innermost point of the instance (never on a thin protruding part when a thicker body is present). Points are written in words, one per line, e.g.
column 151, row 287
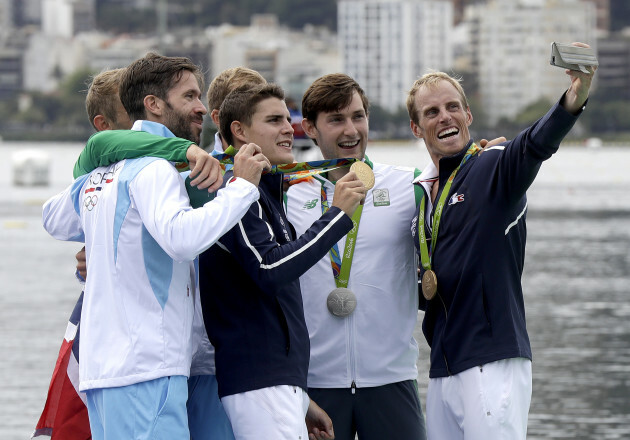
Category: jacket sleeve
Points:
column 159, row 195
column 270, row 264
column 61, row 213
column 522, row 157
column 110, row 146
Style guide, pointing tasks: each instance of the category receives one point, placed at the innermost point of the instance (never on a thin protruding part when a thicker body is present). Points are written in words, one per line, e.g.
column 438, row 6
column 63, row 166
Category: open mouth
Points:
column 349, row 144
column 449, row 132
column 285, row 144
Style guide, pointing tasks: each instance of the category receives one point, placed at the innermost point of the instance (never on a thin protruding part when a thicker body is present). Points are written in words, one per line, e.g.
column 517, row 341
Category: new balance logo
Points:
column 456, row 198
column 310, row 204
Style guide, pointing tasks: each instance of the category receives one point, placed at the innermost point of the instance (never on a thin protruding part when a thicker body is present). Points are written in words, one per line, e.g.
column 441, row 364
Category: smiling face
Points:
column 341, row 133
column 443, row 120
column 271, row 130
column 183, row 112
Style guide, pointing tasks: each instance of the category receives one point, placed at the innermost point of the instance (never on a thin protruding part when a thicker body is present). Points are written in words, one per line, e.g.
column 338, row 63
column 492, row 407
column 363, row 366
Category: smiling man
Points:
column 362, row 369
column 141, row 236
column 249, row 282
column 471, row 232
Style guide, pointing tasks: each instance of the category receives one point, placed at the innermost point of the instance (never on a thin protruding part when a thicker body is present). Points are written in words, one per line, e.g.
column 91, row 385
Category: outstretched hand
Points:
column 580, row 85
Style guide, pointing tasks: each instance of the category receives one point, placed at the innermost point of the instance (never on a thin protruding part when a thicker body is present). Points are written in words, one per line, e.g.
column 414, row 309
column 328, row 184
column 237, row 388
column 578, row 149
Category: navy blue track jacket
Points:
column 478, row 315
column 250, row 293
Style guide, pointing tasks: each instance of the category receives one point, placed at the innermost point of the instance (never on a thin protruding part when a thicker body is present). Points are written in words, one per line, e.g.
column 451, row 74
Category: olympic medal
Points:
column 429, row 284
column 364, row 173
column 341, row 302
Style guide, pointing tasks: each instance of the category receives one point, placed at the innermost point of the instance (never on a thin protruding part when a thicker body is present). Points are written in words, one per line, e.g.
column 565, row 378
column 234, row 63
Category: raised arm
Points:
column 576, row 95
column 271, row 264
column 110, row 146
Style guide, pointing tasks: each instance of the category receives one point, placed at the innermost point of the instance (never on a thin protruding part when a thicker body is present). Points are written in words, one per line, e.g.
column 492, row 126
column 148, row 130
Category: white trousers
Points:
column 488, row 402
column 276, row 413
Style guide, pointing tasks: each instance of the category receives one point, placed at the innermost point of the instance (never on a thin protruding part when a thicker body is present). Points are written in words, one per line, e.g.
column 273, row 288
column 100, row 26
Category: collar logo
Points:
column 310, row 204
column 456, row 198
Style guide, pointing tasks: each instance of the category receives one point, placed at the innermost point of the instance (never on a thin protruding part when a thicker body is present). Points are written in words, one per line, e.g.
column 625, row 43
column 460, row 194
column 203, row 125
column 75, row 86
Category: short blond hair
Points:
column 230, row 80
column 431, row 80
column 101, row 92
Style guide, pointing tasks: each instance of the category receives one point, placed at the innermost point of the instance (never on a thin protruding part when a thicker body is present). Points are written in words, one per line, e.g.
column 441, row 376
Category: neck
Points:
column 434, row 190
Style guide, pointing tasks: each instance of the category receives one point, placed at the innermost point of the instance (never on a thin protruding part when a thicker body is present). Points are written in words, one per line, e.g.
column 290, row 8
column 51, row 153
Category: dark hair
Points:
column 240, row 105
column 152, row 75
column 331, row 93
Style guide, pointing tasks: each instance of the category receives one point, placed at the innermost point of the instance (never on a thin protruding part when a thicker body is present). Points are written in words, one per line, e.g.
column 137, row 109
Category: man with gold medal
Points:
column 470, row 235
column 361, row 300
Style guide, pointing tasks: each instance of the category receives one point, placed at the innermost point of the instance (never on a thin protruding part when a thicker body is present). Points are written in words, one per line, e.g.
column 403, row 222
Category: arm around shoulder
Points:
column 110, row 146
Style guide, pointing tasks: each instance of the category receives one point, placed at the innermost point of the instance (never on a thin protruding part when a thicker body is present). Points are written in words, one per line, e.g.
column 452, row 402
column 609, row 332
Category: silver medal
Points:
column 341, row 302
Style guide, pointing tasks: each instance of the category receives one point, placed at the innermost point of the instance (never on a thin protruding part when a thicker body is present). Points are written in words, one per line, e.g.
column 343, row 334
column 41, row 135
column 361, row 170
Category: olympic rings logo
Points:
column 90, row 202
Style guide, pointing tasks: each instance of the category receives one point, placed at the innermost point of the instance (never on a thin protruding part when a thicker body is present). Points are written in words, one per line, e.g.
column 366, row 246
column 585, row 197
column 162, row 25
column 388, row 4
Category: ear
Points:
column 416, row 130
column 214, row 115
column 309, row 128
column 238, row 132
column 469, row 118
column 153, row 105
column 101, row 123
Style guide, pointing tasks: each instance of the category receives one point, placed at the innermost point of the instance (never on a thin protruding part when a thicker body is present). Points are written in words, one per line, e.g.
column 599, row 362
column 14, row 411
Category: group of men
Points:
column 276, row 252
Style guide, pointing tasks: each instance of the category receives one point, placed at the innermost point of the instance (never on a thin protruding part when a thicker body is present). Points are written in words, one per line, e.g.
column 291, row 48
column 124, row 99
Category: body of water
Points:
column 576, row 283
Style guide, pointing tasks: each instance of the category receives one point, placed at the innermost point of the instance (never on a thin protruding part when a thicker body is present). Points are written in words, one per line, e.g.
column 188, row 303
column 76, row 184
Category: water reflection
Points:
column 576, row 285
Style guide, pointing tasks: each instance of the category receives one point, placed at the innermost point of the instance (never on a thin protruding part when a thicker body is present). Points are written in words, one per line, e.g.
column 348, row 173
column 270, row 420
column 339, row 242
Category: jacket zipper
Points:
column 352, row 360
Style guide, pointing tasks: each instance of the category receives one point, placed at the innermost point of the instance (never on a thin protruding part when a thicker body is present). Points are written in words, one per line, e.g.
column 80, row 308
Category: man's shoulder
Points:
column 394, row 170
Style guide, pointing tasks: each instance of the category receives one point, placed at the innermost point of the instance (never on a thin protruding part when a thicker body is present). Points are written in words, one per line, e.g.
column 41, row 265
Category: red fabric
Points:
column 65, row 416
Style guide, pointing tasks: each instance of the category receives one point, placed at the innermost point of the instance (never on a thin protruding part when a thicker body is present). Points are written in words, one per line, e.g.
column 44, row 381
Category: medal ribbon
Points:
column 426, row 254
column 341, row 269
column 293, row 171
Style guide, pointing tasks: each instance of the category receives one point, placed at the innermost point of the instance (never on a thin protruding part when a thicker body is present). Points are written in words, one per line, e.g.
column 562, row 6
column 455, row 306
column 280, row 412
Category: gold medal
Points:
column 364, row 173
column 341, row 302
column 429, row 284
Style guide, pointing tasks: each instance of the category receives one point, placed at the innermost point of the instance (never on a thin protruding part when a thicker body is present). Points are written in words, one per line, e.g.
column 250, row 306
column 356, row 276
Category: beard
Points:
column 180, row 125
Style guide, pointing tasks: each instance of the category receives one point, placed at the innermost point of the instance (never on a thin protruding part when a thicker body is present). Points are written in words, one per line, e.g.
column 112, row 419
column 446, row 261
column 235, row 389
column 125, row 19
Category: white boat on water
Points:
column 30, row 167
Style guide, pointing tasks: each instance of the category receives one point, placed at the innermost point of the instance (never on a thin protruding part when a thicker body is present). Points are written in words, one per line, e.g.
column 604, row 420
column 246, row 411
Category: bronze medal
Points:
column 364, row 173
column 341, row 302
column 429, row 284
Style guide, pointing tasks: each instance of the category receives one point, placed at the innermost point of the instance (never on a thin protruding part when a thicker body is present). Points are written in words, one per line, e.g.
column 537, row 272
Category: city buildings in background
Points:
column 500, row 47
column 385, row 44
column 510, row 45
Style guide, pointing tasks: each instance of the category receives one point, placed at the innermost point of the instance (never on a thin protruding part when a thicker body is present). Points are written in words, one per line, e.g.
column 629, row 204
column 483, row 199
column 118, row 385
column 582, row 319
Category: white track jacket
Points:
column 374, row 345
column 140, row 236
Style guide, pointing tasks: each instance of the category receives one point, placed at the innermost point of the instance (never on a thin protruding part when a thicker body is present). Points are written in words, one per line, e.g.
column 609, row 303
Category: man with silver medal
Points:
column 361, row 300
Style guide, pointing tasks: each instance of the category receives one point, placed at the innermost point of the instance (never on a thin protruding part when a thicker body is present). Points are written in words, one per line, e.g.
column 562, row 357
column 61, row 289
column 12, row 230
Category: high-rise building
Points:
column 603, row 14
column 460, row 5
column 27, row 12
column 66, row 18
column 293, row 59
column 613, row 53
column 6, row 17
column 386, row 44
column 511, row 40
